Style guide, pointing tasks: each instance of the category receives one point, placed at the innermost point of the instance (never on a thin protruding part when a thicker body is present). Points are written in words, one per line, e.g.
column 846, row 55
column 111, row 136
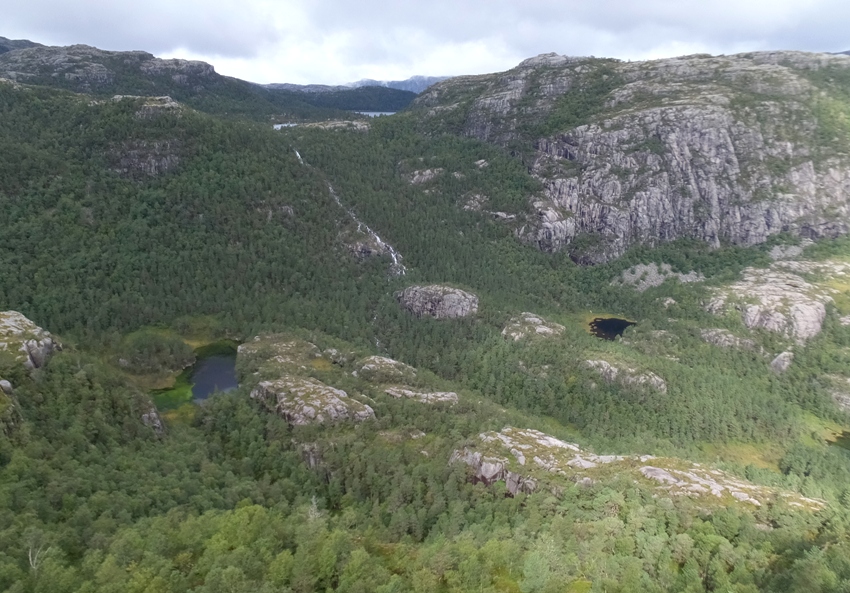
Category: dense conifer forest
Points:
column 136, row 232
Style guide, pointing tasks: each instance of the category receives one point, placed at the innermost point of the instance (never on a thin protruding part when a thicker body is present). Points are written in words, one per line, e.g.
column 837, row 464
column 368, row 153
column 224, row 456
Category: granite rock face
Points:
column 775, row 300
column 30, row 344
column 303, row 400
column 782, row 362
column 721, row 149
column 438, row 301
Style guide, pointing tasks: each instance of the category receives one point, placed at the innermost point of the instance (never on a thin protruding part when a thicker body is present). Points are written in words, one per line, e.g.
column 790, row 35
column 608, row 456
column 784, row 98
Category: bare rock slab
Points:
column 627, row 376
column 381, row 369
column 303, row 400
column 426, row 397
column 438, row 301
column 526, row 325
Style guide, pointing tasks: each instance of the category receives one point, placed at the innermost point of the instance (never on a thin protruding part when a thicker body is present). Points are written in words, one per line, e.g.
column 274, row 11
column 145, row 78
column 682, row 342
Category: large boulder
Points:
column 438, row 301
column 28, row 343
column 303, row 400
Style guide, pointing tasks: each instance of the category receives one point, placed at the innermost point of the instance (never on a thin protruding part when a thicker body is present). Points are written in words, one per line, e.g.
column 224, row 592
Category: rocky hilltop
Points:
column 727, row 149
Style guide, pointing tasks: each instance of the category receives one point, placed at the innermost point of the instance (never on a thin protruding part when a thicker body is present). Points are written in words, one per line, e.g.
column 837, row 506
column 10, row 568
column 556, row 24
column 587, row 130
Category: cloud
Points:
column 333, row 41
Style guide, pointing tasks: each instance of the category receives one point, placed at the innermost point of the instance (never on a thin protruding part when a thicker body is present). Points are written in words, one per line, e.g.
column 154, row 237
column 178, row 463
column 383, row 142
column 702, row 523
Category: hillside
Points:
column 422, row 404
column 728, row 150
column 91, row 70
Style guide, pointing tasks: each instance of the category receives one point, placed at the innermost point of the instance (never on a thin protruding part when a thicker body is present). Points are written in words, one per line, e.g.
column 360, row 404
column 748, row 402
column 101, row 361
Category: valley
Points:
column 366, row 356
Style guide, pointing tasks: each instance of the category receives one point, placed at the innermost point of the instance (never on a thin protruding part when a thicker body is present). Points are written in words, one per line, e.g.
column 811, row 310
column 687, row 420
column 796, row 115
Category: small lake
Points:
column 214, row 371
column 608, row 328
column 375, row 113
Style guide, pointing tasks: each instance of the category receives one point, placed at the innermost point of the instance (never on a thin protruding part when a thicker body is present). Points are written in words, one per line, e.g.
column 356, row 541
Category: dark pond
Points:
column 608, row 328
column 214, row 373
column 843, row 440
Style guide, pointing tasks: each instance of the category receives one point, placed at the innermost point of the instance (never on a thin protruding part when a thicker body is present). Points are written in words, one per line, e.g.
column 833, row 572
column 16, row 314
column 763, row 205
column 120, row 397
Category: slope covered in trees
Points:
column 130, row 222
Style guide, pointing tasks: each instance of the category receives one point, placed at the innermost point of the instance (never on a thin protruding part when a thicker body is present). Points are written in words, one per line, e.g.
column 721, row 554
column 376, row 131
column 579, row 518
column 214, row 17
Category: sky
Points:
column 338, row 41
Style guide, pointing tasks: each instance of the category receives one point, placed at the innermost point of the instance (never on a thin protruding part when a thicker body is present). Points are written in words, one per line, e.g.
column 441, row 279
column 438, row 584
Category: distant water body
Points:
column 375, row 113
column 213, row 373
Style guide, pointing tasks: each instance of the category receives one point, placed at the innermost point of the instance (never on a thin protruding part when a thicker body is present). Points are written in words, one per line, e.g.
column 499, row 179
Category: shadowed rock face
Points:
column 722, row 149
column 438, row 301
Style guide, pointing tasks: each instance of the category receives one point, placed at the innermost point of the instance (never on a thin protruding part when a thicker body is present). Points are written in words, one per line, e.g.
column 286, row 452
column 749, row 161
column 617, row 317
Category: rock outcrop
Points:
column 90, row 69
column 302, row 400
column 722, row 149
column 29, row 344
column 424, row 176
column 526, row 325
column 438, row 301
column 776, row 300
column 380, row 369
column 782, row 362
column 529, row 461
column 725, row 339
column 643, row 276
column 152, row 420
column 426, row 397
column 276, row 354
column 626, row 376
column 141, row 158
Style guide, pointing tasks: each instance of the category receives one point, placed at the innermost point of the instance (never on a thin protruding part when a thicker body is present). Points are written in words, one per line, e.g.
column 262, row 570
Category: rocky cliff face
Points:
column 729, row 149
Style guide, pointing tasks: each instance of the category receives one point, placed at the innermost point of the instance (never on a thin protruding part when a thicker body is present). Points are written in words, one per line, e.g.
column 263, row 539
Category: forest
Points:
column 138, row 233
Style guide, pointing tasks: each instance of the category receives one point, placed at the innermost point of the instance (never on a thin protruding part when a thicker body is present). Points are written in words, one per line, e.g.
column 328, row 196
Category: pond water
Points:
column 214, row 370
column 608, row 328
column 279, row 126
column 214, row 373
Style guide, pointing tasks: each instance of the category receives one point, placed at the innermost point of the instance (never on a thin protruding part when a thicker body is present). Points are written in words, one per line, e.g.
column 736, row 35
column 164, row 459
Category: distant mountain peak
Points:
column 13, row 44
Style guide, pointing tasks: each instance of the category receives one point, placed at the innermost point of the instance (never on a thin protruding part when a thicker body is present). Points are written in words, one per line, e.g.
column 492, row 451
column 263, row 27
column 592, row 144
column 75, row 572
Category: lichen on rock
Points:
column 421, row 395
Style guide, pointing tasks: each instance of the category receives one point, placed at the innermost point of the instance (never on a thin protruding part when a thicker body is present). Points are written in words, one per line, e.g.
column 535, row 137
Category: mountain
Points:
column 726, row 150
column 88, row 69
column 13, row 44
column 415, row 84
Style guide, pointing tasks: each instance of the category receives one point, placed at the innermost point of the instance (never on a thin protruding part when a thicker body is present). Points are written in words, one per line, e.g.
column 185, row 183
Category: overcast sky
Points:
column 337, row 41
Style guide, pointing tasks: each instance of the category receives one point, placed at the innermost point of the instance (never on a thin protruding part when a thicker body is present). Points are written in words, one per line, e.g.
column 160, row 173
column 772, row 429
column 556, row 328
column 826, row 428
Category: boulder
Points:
column 424, row 176
column 526, row 325
column 438, row 301
column 152, row 420
column 30, row 344
column 303, row 400
column 782, row 362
